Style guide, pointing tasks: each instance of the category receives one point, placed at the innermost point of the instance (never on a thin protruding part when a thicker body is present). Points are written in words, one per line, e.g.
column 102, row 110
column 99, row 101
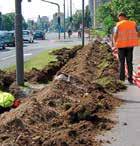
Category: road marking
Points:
column 12, row 56
column 5, row 58
column 28, row 54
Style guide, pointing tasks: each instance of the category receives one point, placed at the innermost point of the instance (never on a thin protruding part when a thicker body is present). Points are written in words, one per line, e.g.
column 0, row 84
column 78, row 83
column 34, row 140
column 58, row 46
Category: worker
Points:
column 7, row 101
column 125, row 38
column 80, row 31
column 69, row 31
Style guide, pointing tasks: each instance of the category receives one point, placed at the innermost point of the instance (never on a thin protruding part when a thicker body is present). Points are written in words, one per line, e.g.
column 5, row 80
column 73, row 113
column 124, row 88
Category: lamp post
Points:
column 0, row 21
column 71, row 10
column 83, row 22
column 59, row 23
column 19, row 44
column 94, row 19
column 64, row 19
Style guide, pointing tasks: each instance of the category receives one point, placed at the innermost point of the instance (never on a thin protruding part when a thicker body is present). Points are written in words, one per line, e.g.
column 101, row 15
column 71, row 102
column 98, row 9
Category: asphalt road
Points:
column 8, row 56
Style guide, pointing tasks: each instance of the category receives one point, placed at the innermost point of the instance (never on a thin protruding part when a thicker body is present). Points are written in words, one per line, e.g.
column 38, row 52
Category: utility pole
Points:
column 19, row 44
column 0, row 21
column 59, row 19
column 64, row 19
column 71, row 14
column 94, row 19
column 71, row 9
column 83, row 22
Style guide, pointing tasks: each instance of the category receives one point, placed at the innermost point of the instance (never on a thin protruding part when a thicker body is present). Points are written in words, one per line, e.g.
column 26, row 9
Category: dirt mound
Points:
column 6, row 79
column 46, row 74
column 38, row 76
column 67, row 113
column 71, row 111
column 95, row 64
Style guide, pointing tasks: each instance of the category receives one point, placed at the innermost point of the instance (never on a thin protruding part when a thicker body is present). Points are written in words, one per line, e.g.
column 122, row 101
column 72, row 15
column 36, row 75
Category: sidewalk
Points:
column 127, row 130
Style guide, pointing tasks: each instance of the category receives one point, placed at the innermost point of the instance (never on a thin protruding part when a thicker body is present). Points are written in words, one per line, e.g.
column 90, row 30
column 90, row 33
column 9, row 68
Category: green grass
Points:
column 98, row 32
column 39, row 61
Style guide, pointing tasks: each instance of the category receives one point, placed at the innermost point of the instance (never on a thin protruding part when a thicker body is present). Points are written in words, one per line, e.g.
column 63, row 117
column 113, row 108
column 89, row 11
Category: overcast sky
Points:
column 36, row 7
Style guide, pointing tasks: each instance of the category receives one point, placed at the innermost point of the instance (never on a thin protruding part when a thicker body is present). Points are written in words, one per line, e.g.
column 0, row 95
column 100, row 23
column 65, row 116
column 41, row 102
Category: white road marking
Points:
column 12, row 56
column 5, row 58
column 28, row 54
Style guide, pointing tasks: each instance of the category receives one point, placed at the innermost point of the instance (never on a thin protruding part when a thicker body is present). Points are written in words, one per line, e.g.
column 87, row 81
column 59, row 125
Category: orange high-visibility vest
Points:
column 127, row 35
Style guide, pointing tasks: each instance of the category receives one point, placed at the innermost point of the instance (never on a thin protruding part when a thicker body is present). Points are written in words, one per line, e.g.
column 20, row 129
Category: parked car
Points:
column 9, row 38
column 39, row 35
column 28, row 36
column 2, row 43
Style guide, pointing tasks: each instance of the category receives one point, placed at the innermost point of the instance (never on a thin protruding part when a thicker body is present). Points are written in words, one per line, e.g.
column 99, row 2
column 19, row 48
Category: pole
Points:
column 58, row 14
column 83, row 22
column 64, row 19
column 0, row 21
column 59, row 24
column 71, row 8
column 71, row 13
column 19, row 44
column 94, row 19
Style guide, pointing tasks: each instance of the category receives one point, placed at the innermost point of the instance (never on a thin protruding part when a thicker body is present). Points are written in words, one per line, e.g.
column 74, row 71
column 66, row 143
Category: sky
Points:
column 31, row 10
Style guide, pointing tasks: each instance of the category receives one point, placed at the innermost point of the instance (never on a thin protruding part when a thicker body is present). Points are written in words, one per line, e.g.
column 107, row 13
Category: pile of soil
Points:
column 46, row 74
column 96, row 64
column 71, row 111
column 7, row 79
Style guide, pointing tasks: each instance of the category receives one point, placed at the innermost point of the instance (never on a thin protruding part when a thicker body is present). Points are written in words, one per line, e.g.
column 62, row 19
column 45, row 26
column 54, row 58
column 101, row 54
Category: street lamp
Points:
column 83, row 22
column 64, row 19
column 71, row 11
column 19, row 43
column 0, row 21
column 94, row 19
column 59, row 23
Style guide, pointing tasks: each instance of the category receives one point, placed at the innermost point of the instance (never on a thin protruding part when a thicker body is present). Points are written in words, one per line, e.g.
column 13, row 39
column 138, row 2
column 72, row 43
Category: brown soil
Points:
column 95, row 64
column 46, row 74
column 7, row 80
column 72, row 110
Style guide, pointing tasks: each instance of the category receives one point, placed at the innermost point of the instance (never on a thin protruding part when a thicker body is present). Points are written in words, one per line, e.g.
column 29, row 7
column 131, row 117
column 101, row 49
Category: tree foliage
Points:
column 77, row 18
column 8, row 22
column 107, row 13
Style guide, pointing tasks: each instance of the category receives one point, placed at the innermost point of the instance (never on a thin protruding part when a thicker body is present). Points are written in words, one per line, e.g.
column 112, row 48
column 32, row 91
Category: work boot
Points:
column 130, row 80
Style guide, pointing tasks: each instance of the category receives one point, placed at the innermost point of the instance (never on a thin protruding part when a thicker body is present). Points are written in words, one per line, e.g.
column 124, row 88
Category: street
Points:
column 8, row 56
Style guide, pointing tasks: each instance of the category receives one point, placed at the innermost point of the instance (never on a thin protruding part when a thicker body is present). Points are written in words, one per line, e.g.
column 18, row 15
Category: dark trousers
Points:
column 2, row 110
column 126, row 54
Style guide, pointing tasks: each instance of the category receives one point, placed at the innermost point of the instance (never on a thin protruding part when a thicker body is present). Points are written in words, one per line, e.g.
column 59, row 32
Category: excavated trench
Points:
column 35, row 76
column 73, row 109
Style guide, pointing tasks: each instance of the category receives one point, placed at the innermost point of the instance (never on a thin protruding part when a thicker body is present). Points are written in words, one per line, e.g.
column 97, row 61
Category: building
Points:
column 55, row 21
column 43, row 22
column 93, row 5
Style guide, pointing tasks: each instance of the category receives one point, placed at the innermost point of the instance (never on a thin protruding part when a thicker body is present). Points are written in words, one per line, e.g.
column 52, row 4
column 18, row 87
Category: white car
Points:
column 28, row 36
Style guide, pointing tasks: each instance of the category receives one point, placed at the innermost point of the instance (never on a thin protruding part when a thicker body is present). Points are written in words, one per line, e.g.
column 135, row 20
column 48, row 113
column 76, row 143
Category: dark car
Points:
column 39, row 35
column 2, row 43
column 10, row 38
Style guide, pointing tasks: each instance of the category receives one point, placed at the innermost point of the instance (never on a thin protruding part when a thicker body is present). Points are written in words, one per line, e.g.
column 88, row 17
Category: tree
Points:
column 8, row 22
column 24, row 24
column 77, row 18
column 107, row 13
column 87, row 17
